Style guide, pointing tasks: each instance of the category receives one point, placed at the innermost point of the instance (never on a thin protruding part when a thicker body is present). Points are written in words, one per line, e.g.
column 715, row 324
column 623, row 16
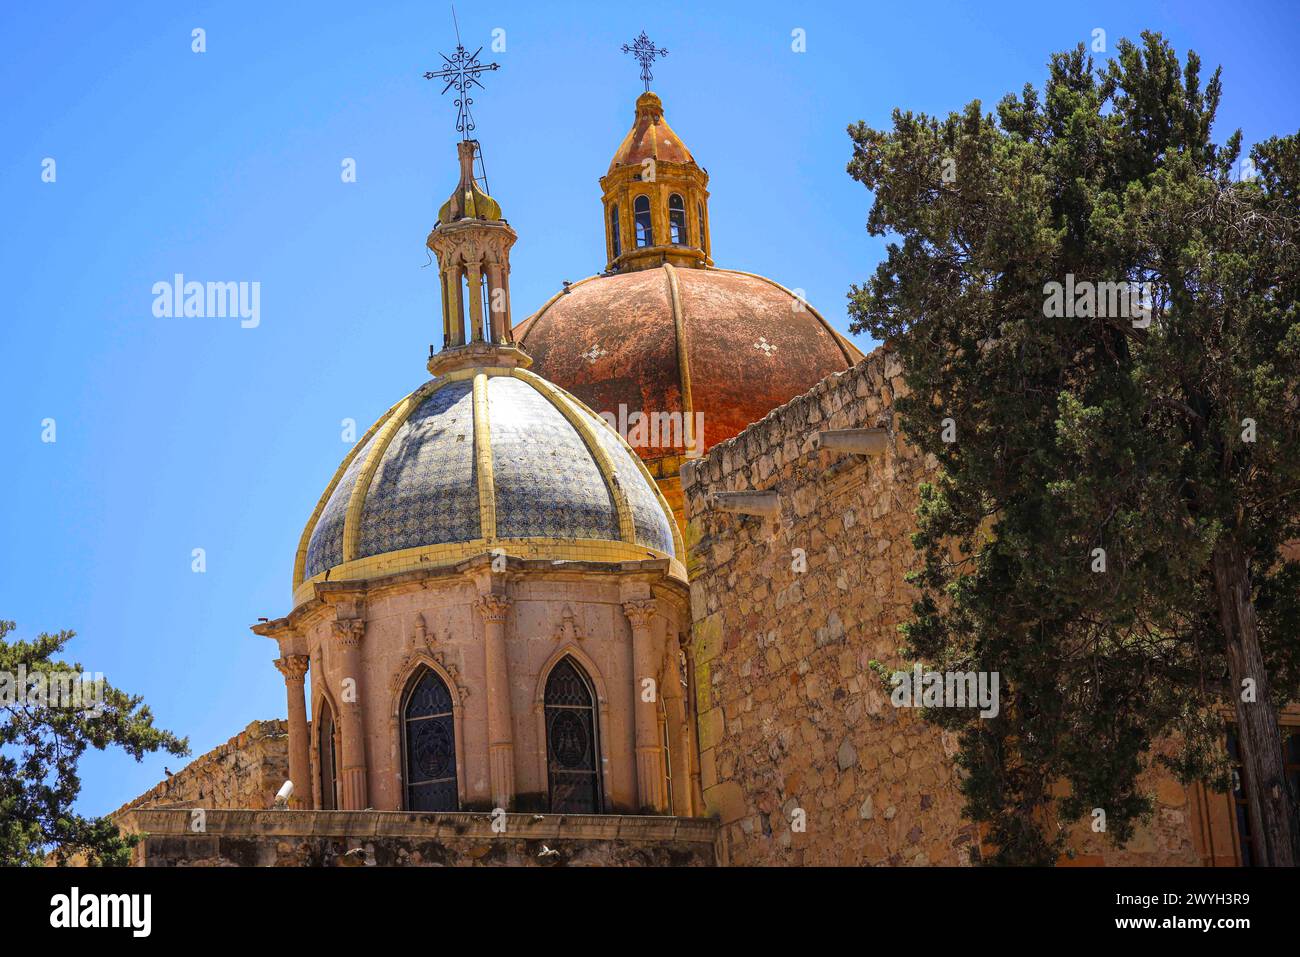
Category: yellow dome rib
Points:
column 487, row 491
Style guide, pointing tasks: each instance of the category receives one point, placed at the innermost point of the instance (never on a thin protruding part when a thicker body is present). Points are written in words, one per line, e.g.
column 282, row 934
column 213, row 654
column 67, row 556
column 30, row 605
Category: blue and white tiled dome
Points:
column 478, row 460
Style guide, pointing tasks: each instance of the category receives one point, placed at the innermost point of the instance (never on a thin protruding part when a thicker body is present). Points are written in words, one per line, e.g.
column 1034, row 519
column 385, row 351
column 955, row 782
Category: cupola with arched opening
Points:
column 656, row 197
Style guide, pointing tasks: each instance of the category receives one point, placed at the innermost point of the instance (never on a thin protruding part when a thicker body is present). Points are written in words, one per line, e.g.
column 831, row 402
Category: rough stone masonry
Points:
column 787, row 611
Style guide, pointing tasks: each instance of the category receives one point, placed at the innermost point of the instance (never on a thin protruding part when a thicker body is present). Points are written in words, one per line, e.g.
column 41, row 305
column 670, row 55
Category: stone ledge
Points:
column 379, row 824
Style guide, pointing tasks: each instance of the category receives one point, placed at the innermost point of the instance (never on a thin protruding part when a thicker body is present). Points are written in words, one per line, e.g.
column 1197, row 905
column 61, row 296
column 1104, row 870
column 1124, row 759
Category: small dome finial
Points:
column 472, row 242
column 649, row 104
column 469, row 200
column 655, row 197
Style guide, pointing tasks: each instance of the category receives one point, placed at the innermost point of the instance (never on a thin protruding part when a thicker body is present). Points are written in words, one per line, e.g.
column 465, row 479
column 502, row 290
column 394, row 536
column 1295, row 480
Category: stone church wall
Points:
column 791, row 720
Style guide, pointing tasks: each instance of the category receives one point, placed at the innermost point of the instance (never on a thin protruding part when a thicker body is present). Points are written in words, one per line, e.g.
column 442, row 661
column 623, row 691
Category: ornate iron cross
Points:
column 462, row 72
column 645, row 51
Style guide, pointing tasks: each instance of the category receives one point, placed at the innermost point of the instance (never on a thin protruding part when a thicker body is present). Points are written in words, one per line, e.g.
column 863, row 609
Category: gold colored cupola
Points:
column 656, row 197
column 472, row 242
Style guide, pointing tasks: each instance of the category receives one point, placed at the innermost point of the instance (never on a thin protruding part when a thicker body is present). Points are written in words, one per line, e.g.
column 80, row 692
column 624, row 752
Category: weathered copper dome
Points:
column 662, row 341
column 713, row 346
column 650, row 137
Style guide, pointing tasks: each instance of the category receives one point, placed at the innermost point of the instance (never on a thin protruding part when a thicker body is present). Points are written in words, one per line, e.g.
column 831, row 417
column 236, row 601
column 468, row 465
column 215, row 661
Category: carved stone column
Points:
column 348, row 632
column 446, row 308
column 649, row 753
column 497, row 302
column 501, row 747
column 294, row 669
column 678, row 730
column 474, row 279
column 454, row 315
column 505, row 285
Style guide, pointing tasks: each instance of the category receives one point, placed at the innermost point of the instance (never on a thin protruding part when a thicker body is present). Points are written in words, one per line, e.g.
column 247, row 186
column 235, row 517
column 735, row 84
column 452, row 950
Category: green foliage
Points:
column 1075, row 434
column 40, row 745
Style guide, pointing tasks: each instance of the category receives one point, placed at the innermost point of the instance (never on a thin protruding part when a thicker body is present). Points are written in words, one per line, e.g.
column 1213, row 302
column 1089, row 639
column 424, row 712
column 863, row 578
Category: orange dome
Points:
column 650, row 137
column 675, row 354
column 727, row 346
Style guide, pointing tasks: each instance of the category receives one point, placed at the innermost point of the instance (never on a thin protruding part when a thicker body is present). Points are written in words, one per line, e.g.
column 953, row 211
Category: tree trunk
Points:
column 1259, row 740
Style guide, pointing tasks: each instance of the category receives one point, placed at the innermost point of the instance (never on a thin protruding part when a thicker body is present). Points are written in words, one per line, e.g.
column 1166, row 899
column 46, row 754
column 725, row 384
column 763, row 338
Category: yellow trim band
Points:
column 451, row 553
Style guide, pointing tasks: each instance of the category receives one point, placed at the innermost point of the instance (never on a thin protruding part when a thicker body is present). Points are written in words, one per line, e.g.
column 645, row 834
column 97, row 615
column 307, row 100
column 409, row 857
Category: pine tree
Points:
column 42, row 740
column 1109, row 530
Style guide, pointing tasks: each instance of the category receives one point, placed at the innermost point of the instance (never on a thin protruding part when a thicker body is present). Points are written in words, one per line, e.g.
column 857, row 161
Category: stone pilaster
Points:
column 294, row 669
column 501, row 749
column 348, row 633
column 649, row 751
column 679, row 734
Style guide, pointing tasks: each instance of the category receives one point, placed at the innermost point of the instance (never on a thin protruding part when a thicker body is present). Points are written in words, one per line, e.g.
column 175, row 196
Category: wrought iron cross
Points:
column 462, row 72
column 645, row 51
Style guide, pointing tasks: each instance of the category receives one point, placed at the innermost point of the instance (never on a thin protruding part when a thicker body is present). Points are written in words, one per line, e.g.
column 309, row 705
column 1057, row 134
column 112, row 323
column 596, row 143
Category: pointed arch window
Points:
column 572, row 740
column 327, row 759
column 645, row 235
column 677, row 220
column 429, row 745
column 613, row 231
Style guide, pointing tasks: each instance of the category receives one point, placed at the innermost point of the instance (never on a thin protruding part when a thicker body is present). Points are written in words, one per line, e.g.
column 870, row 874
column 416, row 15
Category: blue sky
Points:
column 176, row 434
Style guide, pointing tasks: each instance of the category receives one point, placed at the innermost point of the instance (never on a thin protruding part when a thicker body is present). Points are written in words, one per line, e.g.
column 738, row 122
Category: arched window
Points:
column 676, row 220
column 429, row 746
column 613, row 231
column 704, row 244
column 327, row 759
column 572, row 742
column 645, row 235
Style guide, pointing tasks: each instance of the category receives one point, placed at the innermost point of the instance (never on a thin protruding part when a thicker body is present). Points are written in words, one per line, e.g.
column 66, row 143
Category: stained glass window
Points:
column 572, row 746
column 430, row 745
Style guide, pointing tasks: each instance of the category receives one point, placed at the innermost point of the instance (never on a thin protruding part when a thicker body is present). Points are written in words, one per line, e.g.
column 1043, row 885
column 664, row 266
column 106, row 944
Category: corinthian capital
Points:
column 293, row 667
column 639, row 612
column 349, row 631
column 494, row 607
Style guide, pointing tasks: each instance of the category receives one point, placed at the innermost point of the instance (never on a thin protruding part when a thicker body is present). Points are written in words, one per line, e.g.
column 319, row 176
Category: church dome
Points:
column 664, row 341
column 728, row 347
column 477, row 460
column 650, row 137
